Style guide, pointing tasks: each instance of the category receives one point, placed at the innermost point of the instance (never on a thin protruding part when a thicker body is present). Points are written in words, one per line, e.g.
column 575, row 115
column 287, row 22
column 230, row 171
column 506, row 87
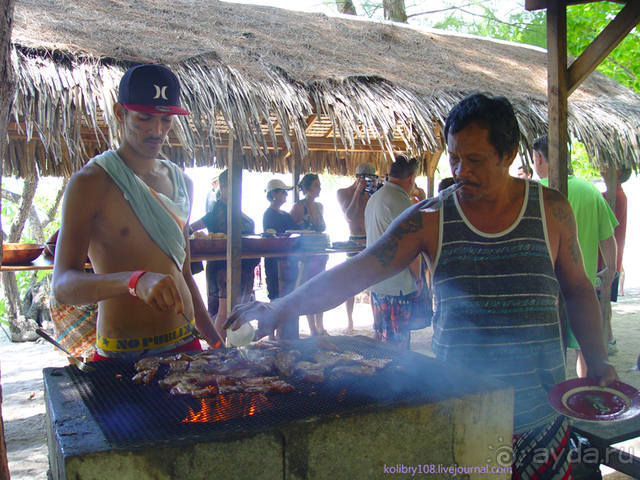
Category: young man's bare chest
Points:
column 118, row 238
column 159, row 179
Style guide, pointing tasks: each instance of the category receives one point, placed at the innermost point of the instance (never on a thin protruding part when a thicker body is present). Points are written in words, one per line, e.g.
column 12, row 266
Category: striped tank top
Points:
column 496, row 305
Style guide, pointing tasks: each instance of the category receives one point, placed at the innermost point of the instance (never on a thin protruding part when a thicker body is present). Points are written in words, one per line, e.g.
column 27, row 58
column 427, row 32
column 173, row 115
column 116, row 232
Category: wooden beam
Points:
column 313, row 143
column 603, row 44
column 322, row 145
column 544, row 4
column 234, row 225
column 310, row 121
column 557, row 95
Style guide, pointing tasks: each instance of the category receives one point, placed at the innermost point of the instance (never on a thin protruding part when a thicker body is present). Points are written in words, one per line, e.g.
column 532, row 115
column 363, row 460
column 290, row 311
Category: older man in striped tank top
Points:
column 499, row 249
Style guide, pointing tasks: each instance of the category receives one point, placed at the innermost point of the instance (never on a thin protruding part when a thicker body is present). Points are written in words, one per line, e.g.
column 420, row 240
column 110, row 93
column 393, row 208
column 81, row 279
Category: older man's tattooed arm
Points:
column 393, row 252
column 386, row 249
column 562, row 213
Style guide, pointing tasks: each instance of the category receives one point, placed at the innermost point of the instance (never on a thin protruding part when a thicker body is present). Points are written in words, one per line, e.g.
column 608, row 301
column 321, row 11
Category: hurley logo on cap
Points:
column 151, row 88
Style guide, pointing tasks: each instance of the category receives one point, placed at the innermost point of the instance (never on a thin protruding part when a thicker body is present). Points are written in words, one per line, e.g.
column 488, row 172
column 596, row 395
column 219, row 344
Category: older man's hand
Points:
column 604, row 372
column 268, row 315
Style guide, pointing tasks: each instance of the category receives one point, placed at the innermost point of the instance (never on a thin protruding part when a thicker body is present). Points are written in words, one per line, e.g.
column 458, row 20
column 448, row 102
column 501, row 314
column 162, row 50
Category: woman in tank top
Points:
column 307, row 213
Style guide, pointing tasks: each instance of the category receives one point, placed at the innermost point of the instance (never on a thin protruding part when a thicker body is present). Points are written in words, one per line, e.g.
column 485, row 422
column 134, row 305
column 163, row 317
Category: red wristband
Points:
column 133, row 281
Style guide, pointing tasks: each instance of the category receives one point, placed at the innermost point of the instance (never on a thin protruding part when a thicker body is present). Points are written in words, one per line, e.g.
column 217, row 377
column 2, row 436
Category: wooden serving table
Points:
column 40, row 263
column 196, row 257
column 46, row 263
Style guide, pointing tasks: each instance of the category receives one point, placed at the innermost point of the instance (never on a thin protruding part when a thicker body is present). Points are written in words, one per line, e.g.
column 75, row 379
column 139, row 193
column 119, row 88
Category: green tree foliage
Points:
column 508, row 20
column 478, row 18
column 584, row 23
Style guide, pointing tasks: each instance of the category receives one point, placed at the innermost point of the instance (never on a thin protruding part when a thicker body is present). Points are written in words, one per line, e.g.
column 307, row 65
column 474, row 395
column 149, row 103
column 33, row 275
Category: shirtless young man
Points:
column 353, row 201
column 137, row 241
column 499, row 250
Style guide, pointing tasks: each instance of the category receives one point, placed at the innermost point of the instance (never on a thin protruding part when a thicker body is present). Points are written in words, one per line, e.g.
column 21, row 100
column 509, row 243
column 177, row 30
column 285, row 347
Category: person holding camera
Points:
column 353, row 201
column 392, row 299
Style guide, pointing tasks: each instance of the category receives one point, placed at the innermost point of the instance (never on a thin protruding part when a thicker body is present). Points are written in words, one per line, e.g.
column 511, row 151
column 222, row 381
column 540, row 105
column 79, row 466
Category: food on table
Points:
column 200, row 235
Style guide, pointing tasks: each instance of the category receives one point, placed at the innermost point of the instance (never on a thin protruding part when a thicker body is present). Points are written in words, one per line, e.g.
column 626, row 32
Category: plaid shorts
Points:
column 391, row 318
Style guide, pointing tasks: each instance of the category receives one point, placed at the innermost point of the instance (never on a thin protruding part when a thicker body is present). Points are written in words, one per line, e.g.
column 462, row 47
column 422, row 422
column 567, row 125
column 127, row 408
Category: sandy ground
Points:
column 22, row 363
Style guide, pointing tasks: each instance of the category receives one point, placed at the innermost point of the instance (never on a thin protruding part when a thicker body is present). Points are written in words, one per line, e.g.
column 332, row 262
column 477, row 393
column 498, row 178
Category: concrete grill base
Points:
column 464, row 431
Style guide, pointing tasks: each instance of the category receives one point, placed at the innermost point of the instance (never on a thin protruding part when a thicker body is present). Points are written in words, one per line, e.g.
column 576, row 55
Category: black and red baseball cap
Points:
column 151, row 88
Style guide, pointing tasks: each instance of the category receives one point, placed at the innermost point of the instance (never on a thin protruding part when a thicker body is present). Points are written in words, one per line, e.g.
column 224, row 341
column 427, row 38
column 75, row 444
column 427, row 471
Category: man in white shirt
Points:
column 392, row 299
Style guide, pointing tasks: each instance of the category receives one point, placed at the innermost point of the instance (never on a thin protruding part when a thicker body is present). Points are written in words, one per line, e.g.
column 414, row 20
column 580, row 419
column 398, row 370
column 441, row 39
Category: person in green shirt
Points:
column 596, row 223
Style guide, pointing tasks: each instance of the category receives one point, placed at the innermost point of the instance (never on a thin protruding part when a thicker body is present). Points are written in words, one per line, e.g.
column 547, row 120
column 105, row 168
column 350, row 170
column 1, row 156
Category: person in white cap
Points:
column 213, row 195
column 280, row 273
column 128, row 210
column 353, row 201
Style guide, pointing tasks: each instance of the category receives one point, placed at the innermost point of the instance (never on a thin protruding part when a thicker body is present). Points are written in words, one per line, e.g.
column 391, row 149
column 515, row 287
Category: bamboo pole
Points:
column 234, row 225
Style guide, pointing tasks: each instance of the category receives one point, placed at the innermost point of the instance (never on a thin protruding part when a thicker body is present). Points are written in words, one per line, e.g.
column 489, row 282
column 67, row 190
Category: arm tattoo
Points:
column 563, row 213
column 387, row 248
column 574, row 249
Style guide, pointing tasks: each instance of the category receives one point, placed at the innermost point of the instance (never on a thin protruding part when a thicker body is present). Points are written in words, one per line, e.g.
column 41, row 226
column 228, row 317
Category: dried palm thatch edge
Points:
column 57, row 100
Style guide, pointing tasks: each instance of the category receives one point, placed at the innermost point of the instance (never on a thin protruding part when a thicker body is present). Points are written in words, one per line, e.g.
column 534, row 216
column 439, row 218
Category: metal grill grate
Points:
column 134, row 416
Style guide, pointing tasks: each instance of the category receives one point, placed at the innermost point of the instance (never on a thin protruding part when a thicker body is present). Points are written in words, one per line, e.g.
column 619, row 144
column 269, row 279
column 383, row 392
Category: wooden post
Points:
column 431, row 160
column 610, row 178
column 296, row 175
column 290, row 330
column 234, row 225
column 431, row 185
column 7, row 90
column 557, row 95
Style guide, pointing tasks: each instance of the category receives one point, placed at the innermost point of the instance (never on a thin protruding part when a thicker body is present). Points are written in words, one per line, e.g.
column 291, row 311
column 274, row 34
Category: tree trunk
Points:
column 7, row 81
column 19, row 307
column 11, row 291
column 12, row 295
column 26, row 203
column 346, row 6
column 35, row 225
column 395, row 10
column 7, row 90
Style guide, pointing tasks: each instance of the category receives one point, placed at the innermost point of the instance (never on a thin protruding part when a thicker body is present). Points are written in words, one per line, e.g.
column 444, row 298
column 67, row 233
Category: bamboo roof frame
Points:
column 328, row 92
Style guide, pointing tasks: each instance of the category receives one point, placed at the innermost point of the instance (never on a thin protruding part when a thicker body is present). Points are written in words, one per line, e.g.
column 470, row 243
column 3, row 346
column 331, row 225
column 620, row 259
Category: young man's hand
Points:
column 160, row 292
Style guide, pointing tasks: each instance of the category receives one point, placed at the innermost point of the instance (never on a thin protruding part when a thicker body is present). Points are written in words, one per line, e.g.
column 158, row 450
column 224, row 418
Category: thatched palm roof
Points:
column 328, row 91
